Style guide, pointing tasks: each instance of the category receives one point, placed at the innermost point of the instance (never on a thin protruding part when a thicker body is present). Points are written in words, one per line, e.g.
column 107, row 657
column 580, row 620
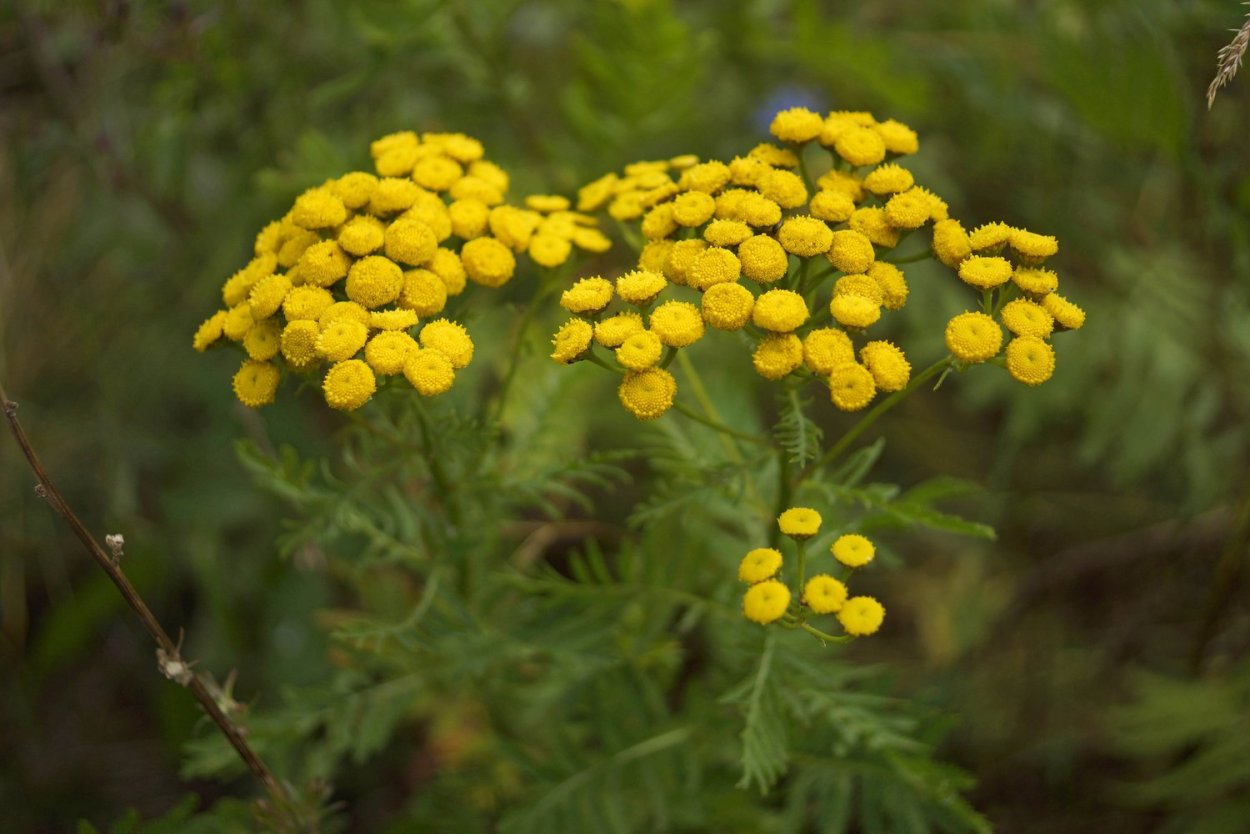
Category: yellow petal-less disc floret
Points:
column 728, row 306
column 851, row 251
column 774, row 156
column 293, row 246
column 760, row 211
column 349, row 385
column 851, row 386
column 891, row 282
column 437, row 173
column 268, row 294
column 400, row 319
column 355, row 189
column 677, row 323
column 1035, row 282
column 781, row 311
column 236, row 289
column 594, row 195
column 985, row 273
column 392, row 195
column 853, row 550
column 647, row 394
column 209, row 332
column 488, row 262
column 1032, row 247
column 237, row 322
column 549, row 250
column 785, row 188
column 1027, row 318
column 862, row 285
column 447, row 266
column 799, row 522
column 973, row 337
column 989, row 237
column 299, row 343
column 712, row 266
column 854, row 310
column 765, row 602
column 388, row 352
column 888, row 179
column 318, row 208
column 805, row 237
column 373, row 281
column 861, row 616
column 763, row 259
column 589, row 295
column 796, row 125
column 759, row 564
column 450, row 339
column 1030, row 360
column 726, row 232
column 614, row 330
column 708, row 177
column 888, row 365
column 640, row 287
column 430, row 372
column 860, row 146
column 255, row 383
column 824, row 594
column 833, row 206
column 262, row 340
column 678, row 260
column 898, row 137
column 844, row 182
column 870, row 222
column 693, row 208
column 826, row 348
column 547, row 203
column 361, row 236
column 341, row 339
column 324, row 263
column 306, row 303
column 950, row 242
column 908, row 210
column 343, row 310
column 640, row 351
column 659, row 223
column 777, row 355
column 1066, row 314
column 571, row 340
column 408, row 241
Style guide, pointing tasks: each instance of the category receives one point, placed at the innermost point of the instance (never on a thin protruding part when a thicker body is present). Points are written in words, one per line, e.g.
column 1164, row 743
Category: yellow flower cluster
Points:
column 356, row 274
column 802, row 265
column 769, row 599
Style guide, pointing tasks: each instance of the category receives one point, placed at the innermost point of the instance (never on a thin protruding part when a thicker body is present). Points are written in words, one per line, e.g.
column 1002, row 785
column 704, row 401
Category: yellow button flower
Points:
column 679, row 260
column 447, row 266
column 763, row 259
column 851, row 386
column 361, row 236
column 747, row 170
column 985, row 273
column 571, row 340
column 796, row 125
column 450, row 339
column 862, row 285
column 469, row 218
column 430, row 372
column 458, row 146
column 759, row 564
column 640, row 351
column 861, row 616
column 1066, row 314
column 834, row 206
column 728, row 306
column 547, row 203
column 236, row 289
column 255, row 383
column 294, row 245
column 708, row 177
column 758, row 210
column 373, row 281
column 851, row 251
column 324, row 263
column 349, row 385
column 826, row 348
column 640, row 286
column 765, row 602
column 1030, row 360
column 299, row 343
column 488, row 262
column 824, row 594
column 474, row 188
column 268, row 294
column 677, row 323
column 262, row 339
column 355, row 189
column 774, row 156
column 777, row 355
column 785, row 188
column 589, row 295
column 341, row 339
column 844, row 182
column 392, row 195
column 1032, row 247
column 989, row 237
column 658, row 222
column 854, row 310
column 594, row 195
column 209, row 332
column 973, row 337
column 780, row 311
column 950, row 243
column 713, row 266
column 853, row 550
column 840, row 121
column 805, row 237
column 694, row 208
column 437, row 173
column 409, row 242
column 490, row 173
column 1036, row 282
column 343, row 310
column 392, row 319
column 888, row 365
column 318, row 208
column 891, row 282
column 647, row 394
column 548, row 250
column 799, row 522
column 429, row 209
column 860, row 146
column 726, row 232
column 908, row 210
column 1027, row 318
column 888, row 179
column 898, row 137
column 388, row 352
column 871, row 223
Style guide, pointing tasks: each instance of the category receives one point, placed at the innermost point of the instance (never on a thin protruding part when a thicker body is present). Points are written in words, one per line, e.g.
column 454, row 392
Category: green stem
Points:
column 801, row 545
column 828, row 638
column 711, row 424
column 784, row 494
column 517, row 344
column 910, row 259
column 595, row 359
column 832, row 453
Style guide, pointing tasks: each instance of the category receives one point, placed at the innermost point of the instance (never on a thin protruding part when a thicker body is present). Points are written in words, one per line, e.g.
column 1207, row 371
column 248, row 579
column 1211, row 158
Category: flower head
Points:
column 728, row 306
column 429, row 371
column 824, row 594
column 861, row 616
column 572, row 340
column 1030, row 360
column 759, row 564
column 973, row 337
column 853, row 550
column 677, row 323
column 765, row 601
column 647, row 394
column 799, row 522
column 349, row 385
column 851, row 386
column 255, row 383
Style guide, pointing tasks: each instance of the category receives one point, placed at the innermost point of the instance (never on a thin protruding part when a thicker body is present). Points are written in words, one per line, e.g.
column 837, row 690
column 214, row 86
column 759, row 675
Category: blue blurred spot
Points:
column 783, row 98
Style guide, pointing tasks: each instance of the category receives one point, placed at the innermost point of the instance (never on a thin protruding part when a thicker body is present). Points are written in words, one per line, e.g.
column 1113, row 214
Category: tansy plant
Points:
column 606, row 672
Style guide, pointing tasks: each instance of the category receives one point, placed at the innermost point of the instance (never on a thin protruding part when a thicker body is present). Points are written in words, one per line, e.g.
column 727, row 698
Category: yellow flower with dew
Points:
column 805, row 236
column 759, row 564
column 343, row 310
column 693, row 208
column 860, row 146
column 973, row 337
column 640, row 287
column 349, row 385
column 677, row 323
column 796, row 125
column 714, row 265
column 1027, row 318
column 898, row 137
column 424, row 293
column 891, row 282
column 614, row 330
column 324, row 263
column 487, row 262
column 851, row 386
column 1032, row 247
column 388, row 351
column 299, row 343
column 781, row 311
column 640, row 351
column 826, row 348
column 765, row 602
column 342, row 339
column 306, row 303
column 373, row 281
column 262, row 340
column 985, row 273
column 209, row 332
column 853, row 550
column 548, row 250
column 777, row 355
column 1066, row 314
column 908, row 210
column 1036, row 282
column 728, row 306
column 851, row 251
column 862, row 285
column 237, row 322
column 888, row 179
column 430, row 372
column 824, row 594
column 318, row 208
column 833, row 206
column 785, row 188
column 256, row 383
column 854, row 311
column 861, row 616
column 763, row 259
column 647, row 394
column 799, row 523
column 989, row 237
column 392, row 319
column 589, row 295
column 572, row 340
column 726, row 232
column 268, row 294
column 951, row 245
column 888, row 365
column 1030, row 360
column 450, row 339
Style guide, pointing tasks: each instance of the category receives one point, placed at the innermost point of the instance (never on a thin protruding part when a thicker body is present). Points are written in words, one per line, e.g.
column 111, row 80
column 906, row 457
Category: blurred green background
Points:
column 1096, row 654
